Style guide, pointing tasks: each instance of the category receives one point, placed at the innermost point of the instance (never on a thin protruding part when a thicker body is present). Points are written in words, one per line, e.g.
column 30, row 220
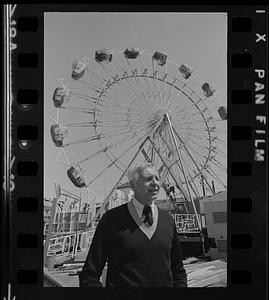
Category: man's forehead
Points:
column 149, row 171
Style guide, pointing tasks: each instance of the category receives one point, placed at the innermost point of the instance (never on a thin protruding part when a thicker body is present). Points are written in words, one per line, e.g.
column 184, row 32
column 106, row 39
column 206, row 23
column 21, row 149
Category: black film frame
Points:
column 22, row 209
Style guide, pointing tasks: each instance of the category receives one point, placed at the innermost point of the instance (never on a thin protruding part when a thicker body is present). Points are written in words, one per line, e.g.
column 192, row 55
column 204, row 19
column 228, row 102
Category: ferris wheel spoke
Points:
column 156, row 99
column 147, row 90
column 221, row 142
column 81, row 141
column 156, row 84
column 108, row 109
column 100, row 79
column 101, row 173
column 209, row 129
column 94, row 155
column 121, row 87
column 169, row 99
column 107, row 70
column 178, row 109
column 203, row 134
column 193, row 104
column 124, row 80
column 118, row 96
column 114, row 145
column 114, row 114
column 195, row 152
column 191, row 162
column 131, row 79
column 136, row 94
column 85, row 124
column 92, row 87
column 207, row 117
column 112, row 129
column 190, row 139
column 113, row 122
column 202, row 150
column 138, row 80
column 79, row 110
column 134, row 75
column 194, row 189
column 115, row 132
column 218, row 164
column 221, row 154
column 188, row 117
column 193, row 115
column 90, row 99
column 150, row 91
column 172, row 88
column 188, row 174
column 118, row 133
column 120, row 65
column 135, row 109
column 127, row 139
column 147, row 79
column 180, row 170
column 216, row 177
column 157, row 96
column 124, row 94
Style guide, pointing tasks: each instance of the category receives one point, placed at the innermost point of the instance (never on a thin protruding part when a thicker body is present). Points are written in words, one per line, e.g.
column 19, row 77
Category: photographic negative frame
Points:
column 25, row 158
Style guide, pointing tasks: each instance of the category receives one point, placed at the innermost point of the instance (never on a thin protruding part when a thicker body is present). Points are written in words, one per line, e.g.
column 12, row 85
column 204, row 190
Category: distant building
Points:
column 215, row 209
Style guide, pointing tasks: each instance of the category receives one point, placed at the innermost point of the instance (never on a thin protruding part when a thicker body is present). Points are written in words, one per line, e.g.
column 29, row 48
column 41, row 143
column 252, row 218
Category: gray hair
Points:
column 134, row 171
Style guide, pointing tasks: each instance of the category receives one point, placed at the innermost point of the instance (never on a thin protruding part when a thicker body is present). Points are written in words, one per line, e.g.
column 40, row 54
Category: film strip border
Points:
column 247, row 152
column 247, row 200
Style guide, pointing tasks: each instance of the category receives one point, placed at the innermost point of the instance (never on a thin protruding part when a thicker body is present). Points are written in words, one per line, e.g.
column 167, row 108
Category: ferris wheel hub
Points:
column 161, row 113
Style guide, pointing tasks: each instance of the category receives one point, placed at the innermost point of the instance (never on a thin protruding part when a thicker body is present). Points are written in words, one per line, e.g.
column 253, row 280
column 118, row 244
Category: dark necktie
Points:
column 147, row 212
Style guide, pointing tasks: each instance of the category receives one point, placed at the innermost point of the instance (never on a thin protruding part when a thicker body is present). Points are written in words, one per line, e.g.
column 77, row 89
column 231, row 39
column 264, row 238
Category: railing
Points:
column 70, row 244
column 186, row 223
column 67, row 244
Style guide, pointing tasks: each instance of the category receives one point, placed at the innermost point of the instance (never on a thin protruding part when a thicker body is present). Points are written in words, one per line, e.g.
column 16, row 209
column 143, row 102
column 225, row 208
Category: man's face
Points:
column 146, row 189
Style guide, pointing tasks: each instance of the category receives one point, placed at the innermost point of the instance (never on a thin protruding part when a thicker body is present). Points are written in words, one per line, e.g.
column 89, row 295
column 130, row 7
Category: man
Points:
column 138, row 241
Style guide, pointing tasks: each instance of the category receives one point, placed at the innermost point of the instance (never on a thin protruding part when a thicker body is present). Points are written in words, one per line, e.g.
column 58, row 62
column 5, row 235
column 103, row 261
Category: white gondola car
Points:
column 160, row 58
column 185, row 71
column 223, row 112
column 131, row 53
column 57, row 135
column 74, row 173
column 60, row 96
column 103, row 55
column 78, row 70
column 208, row 90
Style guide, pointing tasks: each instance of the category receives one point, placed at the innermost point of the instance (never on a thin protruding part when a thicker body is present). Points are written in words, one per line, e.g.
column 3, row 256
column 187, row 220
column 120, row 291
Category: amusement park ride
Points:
column 120, row 107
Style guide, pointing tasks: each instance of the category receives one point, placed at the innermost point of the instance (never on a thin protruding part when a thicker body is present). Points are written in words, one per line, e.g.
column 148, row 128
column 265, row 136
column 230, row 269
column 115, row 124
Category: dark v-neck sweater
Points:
column 133, row 259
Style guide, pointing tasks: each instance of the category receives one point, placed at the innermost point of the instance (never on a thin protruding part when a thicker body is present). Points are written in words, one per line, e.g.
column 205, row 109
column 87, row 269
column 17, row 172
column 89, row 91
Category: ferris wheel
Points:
column 123, row 106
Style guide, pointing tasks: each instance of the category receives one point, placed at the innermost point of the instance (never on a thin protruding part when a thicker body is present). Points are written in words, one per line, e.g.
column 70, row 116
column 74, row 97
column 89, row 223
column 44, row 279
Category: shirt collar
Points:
column 139, row 206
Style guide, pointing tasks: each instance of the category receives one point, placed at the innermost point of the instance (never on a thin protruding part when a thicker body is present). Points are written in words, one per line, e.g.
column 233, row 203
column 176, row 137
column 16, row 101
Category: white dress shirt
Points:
column 136, row 210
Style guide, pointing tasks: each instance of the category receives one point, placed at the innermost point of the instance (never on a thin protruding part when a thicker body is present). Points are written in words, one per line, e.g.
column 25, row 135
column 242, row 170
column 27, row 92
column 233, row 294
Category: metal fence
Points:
column 186, row 222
